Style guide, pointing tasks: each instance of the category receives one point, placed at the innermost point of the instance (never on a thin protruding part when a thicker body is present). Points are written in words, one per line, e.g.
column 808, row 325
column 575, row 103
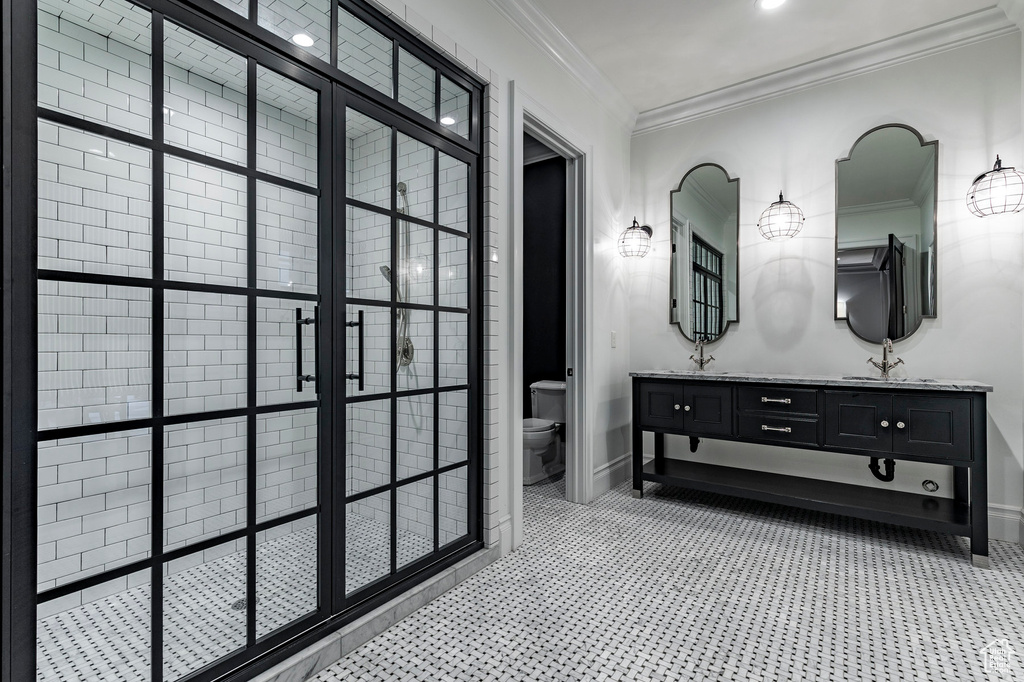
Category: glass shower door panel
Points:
column 368, row 340
column 415, row 334
column 286, row 574
column 415, row 535
column 415, row 186
column 367, row 445
column 283, row 329
column 368, row 273
column 367, row 541
column 367, row 160
column 286, row 239
column 453, row 349
column 452, row 270
column 286, row 463
column 453, row 505
column 452, row 192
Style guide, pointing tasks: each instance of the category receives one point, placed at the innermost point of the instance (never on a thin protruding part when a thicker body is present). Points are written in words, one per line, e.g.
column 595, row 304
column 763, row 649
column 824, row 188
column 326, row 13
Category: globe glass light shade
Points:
column 1000, row 190
column 635, row 240
column 781, row 220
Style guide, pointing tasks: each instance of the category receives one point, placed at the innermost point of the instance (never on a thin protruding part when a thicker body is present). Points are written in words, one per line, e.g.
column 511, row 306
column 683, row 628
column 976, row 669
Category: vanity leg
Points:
column 979, row 514
column 961, row 484
column 694, row 442
column 638, row 462
column 659, row 447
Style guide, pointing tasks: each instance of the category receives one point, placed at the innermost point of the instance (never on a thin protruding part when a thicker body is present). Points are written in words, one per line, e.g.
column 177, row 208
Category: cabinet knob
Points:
column 677, row 407
column 687, row 408
column 885, row 424
column 900, row 425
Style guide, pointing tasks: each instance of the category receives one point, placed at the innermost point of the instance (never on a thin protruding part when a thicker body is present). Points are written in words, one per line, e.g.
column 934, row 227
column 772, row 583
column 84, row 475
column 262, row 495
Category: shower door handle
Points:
column 300, row 322
column 359, row 362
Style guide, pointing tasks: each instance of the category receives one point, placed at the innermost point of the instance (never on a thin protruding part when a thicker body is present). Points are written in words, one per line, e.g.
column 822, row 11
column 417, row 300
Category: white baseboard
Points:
column 609, row 475
column 1005, row 523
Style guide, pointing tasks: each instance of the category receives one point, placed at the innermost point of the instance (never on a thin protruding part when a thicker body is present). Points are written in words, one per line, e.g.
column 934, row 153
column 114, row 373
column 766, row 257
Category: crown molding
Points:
column 948, row 35
column 1014, row 10
column 878, row 207
column 543, row 33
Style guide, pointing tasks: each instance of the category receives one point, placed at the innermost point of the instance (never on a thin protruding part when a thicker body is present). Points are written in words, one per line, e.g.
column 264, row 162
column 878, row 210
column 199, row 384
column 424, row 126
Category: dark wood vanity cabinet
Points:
column 923, row 426
column 942, row 426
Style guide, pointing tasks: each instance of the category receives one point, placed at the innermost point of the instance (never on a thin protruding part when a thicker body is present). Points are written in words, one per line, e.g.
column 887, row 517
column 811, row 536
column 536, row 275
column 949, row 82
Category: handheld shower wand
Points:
column 405, row 350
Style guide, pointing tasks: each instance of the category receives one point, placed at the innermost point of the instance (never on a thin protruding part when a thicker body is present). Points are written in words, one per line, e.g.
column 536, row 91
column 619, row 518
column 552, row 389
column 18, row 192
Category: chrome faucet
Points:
column 701, row 361
column 885, row 366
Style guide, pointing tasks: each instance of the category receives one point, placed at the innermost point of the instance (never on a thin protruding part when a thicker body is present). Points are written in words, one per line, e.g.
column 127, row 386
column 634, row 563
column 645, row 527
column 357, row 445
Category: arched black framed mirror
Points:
column 704, row 278
column 885, row 276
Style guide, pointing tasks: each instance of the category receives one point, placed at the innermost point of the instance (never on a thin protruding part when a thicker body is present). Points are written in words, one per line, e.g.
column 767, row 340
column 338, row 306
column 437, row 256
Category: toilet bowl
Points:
column 543, row 454
column 540, row 457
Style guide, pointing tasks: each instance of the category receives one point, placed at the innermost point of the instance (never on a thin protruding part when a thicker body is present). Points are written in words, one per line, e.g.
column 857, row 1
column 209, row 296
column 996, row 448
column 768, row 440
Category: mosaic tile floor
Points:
column 684, row 585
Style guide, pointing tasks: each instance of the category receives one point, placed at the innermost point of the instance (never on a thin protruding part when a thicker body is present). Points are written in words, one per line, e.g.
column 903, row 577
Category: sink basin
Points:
column 892, row 380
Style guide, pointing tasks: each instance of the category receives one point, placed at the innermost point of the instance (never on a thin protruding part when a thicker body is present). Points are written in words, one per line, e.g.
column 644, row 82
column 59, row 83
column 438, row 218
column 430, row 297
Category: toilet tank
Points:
column 547, row 400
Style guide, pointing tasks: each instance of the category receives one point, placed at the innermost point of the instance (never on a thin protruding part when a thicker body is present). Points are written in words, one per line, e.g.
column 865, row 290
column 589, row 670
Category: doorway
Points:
column 545, row 422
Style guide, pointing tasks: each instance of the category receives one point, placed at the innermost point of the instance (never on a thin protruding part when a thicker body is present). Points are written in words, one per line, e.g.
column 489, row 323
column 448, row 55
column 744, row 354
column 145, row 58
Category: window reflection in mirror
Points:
column 885, row 233
column 704, row 286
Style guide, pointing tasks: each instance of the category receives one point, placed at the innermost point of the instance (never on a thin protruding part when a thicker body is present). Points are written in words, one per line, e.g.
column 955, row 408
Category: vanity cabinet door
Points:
column 661, row 405
column 858, row 420
column 929, row 426
column 707, row 410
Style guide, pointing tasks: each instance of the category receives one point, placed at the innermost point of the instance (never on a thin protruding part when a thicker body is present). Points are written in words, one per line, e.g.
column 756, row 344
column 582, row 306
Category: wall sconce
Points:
column 1000, row 190
column 781, row 220
column 635, row 241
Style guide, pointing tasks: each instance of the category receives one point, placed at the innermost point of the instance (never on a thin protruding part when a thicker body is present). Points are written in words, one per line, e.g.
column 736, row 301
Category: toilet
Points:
column 543, row 450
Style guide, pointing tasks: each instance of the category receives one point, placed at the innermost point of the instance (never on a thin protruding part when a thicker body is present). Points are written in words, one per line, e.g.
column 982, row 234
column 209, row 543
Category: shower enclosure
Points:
column 249, row 397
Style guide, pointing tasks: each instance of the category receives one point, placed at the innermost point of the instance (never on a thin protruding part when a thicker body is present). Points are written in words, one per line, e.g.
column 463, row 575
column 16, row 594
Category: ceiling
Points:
column 658, row 52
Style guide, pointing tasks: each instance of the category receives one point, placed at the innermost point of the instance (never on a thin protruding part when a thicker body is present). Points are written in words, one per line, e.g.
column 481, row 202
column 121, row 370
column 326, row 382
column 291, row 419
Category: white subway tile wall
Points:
column 204, row 224
column 416, row 171
column 95, row 203
column 189, row 602
column 94, row 354
column 276, row 368
column 295, row 20
column 286, row 127
column 367, row 541
column 101, row 73
column 415, row 521
column 452, row 270
column 286, row 239
column 453, row 505
column 204, row 480
column 93, row 505
column 204, row 96
column 416, row 263
column 415, row 446
column 453, row 427
column 101, row 633
column 453, row 193
column 286, row 463
column 364, row 53
column 376, row 350
column 368, row 445
column 419, row 373
column 240, row 6
column 367, row 250
column 286, row 555
column 416, row 84
column 453, row 351
column 204, row 352
column 368, row 160
column 455, row 103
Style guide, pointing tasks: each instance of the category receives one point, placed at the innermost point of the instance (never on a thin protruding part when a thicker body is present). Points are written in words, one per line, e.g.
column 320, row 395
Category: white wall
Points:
column 970, row 103
column 476, row 34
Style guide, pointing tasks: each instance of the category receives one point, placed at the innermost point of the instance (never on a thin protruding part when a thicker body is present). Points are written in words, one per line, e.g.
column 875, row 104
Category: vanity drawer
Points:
column 778, row 399
column 779, row 429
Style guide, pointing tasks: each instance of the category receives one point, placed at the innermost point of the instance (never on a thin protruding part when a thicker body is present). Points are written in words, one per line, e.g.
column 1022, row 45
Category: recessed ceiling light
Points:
column 447, row 120
column 771, row 4
column 302, row 40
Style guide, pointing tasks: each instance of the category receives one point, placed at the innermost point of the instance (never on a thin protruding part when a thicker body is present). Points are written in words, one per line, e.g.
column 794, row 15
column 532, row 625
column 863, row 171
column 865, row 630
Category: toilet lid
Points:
column 533, row 425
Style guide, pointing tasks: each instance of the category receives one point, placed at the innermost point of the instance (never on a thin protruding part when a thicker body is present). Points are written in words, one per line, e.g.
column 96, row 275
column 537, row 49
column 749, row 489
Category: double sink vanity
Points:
column 936, row 421
column 885, row 286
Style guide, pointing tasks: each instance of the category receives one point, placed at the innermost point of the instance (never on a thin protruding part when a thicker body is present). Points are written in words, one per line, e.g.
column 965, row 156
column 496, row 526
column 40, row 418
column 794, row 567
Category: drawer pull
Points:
column 780, row 429
column 900, row 425
column 885, row 424
column 784, row 401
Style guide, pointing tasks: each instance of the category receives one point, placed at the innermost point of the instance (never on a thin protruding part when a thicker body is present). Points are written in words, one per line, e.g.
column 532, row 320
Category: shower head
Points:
column 401, row 188
column 386, row 271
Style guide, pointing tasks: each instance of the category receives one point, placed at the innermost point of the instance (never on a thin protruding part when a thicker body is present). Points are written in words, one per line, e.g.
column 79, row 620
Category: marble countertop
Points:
column 815, row 380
